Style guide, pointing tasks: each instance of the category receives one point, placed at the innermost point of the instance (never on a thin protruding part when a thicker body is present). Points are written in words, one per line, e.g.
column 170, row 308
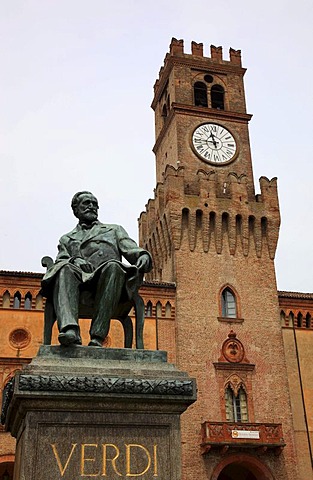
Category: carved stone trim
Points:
column 233, row 350
column 19, row 338
column 120, row 385
column 230, row 320
column 234, row 366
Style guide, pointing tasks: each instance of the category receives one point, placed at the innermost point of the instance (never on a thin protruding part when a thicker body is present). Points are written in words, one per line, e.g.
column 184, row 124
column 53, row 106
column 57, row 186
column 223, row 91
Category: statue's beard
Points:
column 89, row 217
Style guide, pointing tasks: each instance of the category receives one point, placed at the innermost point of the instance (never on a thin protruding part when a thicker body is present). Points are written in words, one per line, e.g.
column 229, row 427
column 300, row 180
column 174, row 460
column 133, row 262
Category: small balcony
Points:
column 225, row 435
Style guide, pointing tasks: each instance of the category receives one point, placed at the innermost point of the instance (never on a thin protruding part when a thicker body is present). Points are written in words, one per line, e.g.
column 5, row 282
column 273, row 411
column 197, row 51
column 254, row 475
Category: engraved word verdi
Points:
column 105, row 460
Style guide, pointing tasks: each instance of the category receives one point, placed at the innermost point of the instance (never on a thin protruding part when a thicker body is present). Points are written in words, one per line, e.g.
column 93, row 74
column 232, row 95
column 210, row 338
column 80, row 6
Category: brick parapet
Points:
column 213, row 214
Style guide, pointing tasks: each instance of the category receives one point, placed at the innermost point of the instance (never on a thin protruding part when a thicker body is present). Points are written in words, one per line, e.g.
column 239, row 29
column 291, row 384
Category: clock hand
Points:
column 213, row 140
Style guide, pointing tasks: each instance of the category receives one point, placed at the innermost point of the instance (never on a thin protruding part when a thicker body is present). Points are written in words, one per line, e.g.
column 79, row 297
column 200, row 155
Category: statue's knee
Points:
column 66, row 272
column 114, row 268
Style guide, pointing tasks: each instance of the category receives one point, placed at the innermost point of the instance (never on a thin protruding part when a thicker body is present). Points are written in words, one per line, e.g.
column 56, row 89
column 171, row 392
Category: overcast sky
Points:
column 76, row 84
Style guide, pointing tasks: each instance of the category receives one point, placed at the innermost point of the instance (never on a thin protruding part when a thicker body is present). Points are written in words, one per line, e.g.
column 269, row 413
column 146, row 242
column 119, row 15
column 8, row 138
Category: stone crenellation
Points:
column 176, row 49
column 210, row 215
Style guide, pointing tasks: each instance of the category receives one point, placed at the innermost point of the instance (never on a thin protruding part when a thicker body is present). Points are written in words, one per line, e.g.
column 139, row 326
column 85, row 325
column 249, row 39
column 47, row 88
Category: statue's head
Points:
column 85, row 207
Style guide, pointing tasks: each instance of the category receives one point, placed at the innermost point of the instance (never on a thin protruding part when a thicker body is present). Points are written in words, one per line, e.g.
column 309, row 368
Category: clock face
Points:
column 214, row 143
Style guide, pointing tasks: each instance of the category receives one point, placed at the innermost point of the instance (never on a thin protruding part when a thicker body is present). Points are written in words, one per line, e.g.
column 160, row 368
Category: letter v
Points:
column 61, row 468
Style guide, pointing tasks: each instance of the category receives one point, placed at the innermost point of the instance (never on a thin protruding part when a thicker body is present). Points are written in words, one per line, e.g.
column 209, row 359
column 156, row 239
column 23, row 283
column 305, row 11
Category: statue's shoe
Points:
column 70, row 337
column 95, row 342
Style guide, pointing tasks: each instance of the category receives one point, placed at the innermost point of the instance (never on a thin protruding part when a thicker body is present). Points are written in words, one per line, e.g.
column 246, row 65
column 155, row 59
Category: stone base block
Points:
column 85, row 412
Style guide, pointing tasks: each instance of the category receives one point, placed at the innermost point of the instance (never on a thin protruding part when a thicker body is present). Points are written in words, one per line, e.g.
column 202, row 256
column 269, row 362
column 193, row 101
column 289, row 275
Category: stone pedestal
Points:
column 86, row 412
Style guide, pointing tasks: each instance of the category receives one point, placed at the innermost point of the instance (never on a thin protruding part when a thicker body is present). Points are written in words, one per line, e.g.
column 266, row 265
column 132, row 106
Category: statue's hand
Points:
column 83, row 265
column 143, row 263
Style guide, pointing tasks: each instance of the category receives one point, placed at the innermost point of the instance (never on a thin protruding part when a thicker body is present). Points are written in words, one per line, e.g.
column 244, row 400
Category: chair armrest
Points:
column 46, row 262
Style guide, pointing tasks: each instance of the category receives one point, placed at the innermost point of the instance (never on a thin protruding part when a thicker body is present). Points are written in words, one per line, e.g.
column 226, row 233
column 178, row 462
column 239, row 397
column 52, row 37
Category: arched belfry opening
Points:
column 200, row 94
column 217, row 97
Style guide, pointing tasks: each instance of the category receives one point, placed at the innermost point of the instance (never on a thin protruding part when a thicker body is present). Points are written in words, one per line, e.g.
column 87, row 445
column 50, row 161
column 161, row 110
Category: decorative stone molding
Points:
column 94, row 384
column 233, row 350
column 19, row 338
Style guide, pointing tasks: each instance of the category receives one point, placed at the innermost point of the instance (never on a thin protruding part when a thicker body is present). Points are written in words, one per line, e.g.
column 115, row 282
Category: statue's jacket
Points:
column 98, row 245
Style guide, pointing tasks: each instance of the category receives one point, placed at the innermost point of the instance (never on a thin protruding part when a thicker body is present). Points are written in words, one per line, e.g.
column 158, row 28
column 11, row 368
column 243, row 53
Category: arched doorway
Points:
column 241, row 467
column 6, row 470
column 236, row 472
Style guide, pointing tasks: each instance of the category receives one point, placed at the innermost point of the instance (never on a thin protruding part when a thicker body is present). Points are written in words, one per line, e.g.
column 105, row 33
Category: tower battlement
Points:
column 210, row 215
column 176, row 49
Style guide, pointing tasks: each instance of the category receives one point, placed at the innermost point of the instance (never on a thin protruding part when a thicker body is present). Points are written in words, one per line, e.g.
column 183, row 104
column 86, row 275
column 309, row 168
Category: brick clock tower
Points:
column 216, row 239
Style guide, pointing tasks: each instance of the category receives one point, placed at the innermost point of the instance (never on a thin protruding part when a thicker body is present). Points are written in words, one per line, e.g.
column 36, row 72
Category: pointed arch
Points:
column 6, row 297
column 148, row 311
column 299, row 320
column 159, row 309
column 28, row 301
column 236, row 403
column 39, row 302
column 228, row 303
column 168, row 310
column 308, row 320
column 17, row 300
column 291, row 318
column 284, row 319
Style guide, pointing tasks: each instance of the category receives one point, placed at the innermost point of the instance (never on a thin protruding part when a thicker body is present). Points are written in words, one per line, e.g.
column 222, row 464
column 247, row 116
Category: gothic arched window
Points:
column 39, row 302
column 236, row 405
column 28, row 301
column 228, row 303
column 158, row 310
column 200, row 94
column 149, row 309
column 308, row 320
column 168, row 310
column 6, row 299
column 217, row 97
column 299, row 320
column 17, row 300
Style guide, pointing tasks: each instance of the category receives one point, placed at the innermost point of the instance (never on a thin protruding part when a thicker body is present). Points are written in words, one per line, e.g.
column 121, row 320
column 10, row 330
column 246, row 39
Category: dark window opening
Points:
column 217, row 97
column 308, row 320
column 200, row 94
column 299, row 320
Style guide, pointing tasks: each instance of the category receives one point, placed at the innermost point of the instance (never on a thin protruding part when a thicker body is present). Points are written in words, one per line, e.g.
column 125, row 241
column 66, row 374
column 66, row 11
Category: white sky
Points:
column 76, row 83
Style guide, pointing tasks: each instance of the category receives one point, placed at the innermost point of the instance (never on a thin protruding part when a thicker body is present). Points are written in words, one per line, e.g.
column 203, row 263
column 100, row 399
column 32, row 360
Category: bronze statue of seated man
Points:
column 89, row 259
